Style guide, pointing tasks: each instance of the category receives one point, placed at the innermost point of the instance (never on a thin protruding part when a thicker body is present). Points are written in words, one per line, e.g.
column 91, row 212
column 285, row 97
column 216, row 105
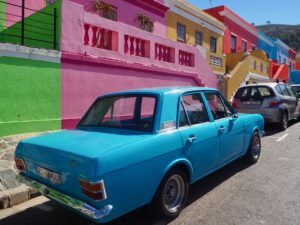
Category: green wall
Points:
column 37, row 26
column 2, row 15
column 29, row 96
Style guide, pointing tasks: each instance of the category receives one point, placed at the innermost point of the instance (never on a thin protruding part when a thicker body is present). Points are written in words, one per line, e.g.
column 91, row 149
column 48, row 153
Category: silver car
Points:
column 276, row 102
column 296, row 88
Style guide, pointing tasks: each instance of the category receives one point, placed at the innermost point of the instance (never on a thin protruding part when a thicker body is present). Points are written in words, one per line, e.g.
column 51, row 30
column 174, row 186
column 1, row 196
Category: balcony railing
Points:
column 139, row 46
column 40, row 29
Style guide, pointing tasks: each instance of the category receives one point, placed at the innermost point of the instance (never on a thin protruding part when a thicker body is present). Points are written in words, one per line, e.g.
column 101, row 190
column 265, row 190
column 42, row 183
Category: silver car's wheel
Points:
column 284, row 121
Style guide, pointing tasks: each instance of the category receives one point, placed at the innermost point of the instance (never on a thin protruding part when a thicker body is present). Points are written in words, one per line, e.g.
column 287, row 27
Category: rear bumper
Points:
column 66, row 200
column 271, row 115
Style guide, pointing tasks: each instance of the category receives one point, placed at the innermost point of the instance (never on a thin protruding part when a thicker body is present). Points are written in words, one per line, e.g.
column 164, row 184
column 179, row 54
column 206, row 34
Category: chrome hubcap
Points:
column 173, row 194
column 256, row 147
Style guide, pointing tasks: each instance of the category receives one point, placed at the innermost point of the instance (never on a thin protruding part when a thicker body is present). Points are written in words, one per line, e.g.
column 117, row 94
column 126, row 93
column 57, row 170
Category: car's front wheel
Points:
column 284, row 121
column 171, row 195
column 254, row 149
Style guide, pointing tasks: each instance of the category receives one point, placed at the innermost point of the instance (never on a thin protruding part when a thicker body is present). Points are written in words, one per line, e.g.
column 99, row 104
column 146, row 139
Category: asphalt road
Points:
column 266, row 193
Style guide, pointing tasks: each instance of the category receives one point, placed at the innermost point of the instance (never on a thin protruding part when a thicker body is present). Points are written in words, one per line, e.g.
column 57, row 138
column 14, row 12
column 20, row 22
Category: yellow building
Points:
column 188, row 24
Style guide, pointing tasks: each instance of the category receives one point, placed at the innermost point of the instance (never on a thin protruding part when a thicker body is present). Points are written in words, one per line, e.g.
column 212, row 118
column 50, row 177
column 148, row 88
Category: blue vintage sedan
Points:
column 139, row 147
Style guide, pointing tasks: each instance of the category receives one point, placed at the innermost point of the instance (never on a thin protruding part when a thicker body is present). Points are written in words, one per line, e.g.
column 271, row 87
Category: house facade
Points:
column 239, row 36
column 96, row 52
column 190, row 25
column 244, row 62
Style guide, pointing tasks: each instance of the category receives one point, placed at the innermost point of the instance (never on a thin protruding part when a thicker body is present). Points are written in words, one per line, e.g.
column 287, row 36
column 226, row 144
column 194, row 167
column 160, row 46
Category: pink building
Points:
column 101, row 55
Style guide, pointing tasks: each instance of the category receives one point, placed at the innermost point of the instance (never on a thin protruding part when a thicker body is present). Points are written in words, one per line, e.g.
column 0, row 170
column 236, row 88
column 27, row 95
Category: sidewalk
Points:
column 11, row 191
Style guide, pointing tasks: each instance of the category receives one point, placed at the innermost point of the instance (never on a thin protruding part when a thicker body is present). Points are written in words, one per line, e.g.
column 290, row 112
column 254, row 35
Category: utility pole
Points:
column 210, row 1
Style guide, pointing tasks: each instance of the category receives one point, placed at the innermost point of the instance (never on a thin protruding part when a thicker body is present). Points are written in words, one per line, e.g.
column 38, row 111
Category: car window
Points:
column 254, row 93
column 183, row 120
column 278, row 89
column 195, row 109
column 291, row 91
column 284, row 90
column 217, row 107
column 123, row 112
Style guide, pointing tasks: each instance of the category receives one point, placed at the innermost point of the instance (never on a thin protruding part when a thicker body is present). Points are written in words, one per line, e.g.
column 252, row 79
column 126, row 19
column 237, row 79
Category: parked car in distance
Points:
column 139, row 147
column 296, row 88
column 276, row 102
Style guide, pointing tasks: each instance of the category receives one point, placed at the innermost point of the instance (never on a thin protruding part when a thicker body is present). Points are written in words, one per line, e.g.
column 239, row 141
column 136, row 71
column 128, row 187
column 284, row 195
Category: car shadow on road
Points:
column 273, row 129
column 39, row 215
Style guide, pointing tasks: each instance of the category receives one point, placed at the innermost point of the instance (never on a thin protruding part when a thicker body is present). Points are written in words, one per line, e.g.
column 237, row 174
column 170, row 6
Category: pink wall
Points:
column 127, row 10
column 31, row 4
column 83, row 82
column 89, row 71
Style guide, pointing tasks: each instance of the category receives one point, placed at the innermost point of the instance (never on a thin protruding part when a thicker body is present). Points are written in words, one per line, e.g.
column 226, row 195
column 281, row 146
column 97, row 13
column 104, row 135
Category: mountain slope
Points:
column 290, row 34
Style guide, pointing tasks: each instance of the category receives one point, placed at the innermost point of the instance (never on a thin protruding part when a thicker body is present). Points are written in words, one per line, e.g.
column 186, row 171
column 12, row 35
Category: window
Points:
column 183, row 120
column 291, row 91
column 217, row 106
column 244, row 46
column 194, row 109
column 253, row 48
column 213, row 44
column 49, row 2
column 108, row 11
column 134, row 112
column 181, row 32
column 233, row 43
column 198, row 38
column 257, row 93
column 278, row 89
column 284, row 60
column 284, row 90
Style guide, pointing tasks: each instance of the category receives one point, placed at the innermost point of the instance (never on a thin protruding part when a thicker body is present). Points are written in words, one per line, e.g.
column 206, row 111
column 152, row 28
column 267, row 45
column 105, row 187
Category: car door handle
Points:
column 222, row 129
column 191, row 139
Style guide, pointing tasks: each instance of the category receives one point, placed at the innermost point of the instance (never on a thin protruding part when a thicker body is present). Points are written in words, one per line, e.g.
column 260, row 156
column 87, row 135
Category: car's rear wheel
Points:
column 171, row 195
column 284, row 121
column 254, row 149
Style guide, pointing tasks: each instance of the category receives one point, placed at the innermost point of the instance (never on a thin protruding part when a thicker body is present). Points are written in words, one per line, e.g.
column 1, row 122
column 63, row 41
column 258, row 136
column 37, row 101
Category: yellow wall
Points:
column 191, row 28
column 240, row 65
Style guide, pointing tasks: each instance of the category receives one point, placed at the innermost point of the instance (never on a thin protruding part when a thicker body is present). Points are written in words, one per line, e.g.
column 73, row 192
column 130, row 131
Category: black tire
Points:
column 254, row 149
column 284, row 121
column 174, row 188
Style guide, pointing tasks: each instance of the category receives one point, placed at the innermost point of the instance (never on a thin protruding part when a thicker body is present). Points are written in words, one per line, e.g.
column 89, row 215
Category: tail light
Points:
column 95, row 191
column 274, row 104
column 20, row 164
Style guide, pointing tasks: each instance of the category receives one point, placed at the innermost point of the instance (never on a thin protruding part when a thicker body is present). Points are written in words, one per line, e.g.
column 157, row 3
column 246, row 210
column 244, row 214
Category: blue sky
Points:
column 259, row 11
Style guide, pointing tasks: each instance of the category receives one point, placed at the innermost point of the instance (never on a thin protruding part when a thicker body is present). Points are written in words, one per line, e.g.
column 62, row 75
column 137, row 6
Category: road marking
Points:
column 282, row 138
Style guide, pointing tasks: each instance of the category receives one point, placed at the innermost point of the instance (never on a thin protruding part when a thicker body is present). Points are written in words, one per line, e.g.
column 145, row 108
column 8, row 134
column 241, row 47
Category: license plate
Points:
column 49, row 175
column 251, row 103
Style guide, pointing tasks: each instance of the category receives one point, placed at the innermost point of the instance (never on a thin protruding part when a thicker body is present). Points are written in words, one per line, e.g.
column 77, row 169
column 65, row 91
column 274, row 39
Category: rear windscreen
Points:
column 254, row 93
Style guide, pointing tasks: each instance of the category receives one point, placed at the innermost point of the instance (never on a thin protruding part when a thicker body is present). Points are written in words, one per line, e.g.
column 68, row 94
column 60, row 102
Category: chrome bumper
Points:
column 71, row 202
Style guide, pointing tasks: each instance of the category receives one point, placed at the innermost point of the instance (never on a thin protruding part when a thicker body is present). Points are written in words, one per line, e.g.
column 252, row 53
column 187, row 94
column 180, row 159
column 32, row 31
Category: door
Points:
column 199, row 135
column 289, row 101
column 230, row 127
column 295, row 101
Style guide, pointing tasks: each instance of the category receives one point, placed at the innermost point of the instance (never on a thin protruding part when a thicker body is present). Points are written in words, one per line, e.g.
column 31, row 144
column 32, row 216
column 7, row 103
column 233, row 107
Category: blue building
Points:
column 266, row 44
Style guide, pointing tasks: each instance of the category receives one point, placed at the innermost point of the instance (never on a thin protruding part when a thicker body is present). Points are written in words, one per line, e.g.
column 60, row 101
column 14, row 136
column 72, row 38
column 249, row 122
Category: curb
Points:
column 11, row 191
column 14, row 196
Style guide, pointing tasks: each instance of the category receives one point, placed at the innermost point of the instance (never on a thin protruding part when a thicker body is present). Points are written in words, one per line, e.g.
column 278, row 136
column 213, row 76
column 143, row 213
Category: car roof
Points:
column 177, row 90
column 272, row 85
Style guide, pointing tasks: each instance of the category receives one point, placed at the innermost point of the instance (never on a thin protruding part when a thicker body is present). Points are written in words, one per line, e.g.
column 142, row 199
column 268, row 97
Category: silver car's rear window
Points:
column 254, row 92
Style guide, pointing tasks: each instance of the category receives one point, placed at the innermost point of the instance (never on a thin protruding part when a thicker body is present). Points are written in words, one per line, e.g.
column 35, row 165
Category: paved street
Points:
column 266, row 193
